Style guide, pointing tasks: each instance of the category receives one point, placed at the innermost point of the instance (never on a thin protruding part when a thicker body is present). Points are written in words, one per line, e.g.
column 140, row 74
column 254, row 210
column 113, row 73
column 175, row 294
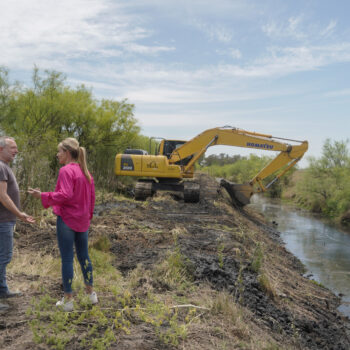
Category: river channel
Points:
column 322, row 248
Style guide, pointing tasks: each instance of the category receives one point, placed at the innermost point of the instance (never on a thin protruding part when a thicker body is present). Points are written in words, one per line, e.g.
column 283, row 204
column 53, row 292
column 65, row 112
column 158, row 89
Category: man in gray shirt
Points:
column 9, row 211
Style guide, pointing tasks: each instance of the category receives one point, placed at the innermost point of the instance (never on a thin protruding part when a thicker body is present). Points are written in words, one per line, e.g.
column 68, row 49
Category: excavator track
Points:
column 143, row 190
column 240, row 193
column 191, row 192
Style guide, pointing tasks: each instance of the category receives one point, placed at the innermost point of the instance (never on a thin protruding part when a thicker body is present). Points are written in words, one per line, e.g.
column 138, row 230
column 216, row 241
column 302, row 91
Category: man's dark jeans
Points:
column 6, row 246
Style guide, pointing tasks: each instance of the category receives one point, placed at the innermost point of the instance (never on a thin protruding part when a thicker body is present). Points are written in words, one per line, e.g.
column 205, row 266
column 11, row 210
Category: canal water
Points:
column 322, row 248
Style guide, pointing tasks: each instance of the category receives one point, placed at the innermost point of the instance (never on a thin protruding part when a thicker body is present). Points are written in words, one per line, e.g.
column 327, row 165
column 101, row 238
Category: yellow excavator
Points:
column 174, row 161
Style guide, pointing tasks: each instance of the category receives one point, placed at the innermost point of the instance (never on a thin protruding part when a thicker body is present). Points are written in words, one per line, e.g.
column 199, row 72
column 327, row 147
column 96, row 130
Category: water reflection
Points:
column 324, row 250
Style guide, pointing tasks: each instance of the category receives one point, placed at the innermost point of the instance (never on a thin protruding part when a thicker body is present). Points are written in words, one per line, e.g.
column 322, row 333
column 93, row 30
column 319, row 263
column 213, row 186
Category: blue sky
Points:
column 279, row 67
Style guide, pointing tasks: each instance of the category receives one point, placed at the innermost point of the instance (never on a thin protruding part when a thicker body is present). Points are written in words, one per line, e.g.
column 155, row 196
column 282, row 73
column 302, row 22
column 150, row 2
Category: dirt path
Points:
column 226, row 250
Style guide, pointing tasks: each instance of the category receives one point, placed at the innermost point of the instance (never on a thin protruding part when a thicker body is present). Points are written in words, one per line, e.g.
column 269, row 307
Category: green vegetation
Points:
column 242, row 169
column 317, row 283
column 174, row 271
column 43, row 114
column 221, row 248
column 266, row 286
column 239, row 170
column 324, row 186
column 258, row 257
column 220, row 160
column 126, row 304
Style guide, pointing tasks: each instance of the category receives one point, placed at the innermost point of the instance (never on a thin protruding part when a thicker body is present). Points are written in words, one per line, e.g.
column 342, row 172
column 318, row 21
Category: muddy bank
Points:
column 224, row 249
column 297, row 310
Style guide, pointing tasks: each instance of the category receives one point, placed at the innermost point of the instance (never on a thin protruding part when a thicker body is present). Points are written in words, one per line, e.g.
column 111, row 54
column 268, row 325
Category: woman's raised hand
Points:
column 35, row 192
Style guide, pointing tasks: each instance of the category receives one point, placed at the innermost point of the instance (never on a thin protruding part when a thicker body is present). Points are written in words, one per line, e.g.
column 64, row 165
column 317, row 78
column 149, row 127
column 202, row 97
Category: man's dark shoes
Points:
column 9, row 294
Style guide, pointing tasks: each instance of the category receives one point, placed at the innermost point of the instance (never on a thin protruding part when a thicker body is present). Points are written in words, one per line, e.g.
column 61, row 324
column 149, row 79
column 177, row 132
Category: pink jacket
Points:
column 73, row 199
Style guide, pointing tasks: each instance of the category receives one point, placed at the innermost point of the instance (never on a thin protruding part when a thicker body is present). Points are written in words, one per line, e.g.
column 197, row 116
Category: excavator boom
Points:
column 288, row 156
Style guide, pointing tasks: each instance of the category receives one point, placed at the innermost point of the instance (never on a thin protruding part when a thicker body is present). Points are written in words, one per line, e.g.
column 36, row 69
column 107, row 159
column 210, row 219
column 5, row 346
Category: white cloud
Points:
column 338, row 93
column 171, row 83
column 237, row 9
column 300, row 29
column 148, row 50
column 178, row 94
column 108, row 45
column 168, row 119
column 291, row 28
column 289, row 60
column 44, row 30
column 235, row 118
column 215, row 32
column 84, row 35
column 235, row 53
column 165, row 95
column 329, row 30
column 186, row 124
column 276, row 62
column 230, row 52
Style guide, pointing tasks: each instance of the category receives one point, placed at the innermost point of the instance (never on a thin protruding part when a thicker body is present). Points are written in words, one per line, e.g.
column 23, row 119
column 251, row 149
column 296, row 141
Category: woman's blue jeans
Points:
column 67, row 239
column 6, row 246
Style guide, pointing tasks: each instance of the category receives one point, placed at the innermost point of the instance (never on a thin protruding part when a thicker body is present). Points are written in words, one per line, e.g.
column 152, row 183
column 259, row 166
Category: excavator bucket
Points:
column 239, row 193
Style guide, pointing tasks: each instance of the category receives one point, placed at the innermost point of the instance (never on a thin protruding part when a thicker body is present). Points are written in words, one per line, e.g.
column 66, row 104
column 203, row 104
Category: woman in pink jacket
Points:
column 73, row 202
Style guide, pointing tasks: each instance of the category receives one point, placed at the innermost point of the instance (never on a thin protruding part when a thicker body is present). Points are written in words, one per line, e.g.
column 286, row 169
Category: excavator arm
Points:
column 288, row 155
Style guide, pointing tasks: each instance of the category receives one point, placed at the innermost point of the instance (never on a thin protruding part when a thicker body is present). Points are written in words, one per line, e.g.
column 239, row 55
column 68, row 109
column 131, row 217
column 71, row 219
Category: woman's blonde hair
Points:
column 71, row 145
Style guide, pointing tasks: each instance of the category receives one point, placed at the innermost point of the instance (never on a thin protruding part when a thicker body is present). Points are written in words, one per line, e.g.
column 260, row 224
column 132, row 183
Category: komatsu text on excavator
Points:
column 173, row 164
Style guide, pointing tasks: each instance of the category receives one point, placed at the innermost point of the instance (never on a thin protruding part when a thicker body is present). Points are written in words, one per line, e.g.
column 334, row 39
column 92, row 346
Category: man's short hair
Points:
column 3, row 140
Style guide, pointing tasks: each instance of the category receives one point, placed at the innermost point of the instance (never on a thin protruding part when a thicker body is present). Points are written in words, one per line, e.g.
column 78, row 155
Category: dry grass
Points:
column 35, row 264
column 215, row 322
column 226, row 324
column 266, row 285
column 37, row 269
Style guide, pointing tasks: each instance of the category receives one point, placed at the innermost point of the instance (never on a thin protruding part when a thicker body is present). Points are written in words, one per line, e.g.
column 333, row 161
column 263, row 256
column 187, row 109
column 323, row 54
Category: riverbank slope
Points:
column 172, row 275
column 319, row 199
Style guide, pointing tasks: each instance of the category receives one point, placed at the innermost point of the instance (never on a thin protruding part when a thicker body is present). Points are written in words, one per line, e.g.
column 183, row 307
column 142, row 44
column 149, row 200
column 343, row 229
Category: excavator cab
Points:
column 167, row 147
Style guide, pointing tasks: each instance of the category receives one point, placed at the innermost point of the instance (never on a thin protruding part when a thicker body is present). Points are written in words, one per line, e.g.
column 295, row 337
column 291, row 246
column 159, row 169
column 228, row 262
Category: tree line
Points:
column 41, row 115
column 325, row 185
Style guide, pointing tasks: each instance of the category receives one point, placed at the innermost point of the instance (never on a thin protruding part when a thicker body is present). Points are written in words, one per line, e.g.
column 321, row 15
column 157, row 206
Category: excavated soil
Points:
column 297, row 312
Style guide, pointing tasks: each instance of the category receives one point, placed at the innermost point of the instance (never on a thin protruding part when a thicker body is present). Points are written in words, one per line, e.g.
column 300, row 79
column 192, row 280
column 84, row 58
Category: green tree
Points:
column 325, row 186
column 335, row 154
column 42, row 115
column 4, row 94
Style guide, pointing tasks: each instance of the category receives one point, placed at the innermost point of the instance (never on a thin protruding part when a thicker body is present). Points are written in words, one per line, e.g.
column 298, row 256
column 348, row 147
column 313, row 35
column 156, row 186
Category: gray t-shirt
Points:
column 7, row 175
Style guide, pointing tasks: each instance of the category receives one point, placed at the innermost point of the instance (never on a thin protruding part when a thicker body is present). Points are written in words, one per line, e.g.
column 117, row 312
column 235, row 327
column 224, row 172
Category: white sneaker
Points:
column 93, row 298
column 66, row 306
